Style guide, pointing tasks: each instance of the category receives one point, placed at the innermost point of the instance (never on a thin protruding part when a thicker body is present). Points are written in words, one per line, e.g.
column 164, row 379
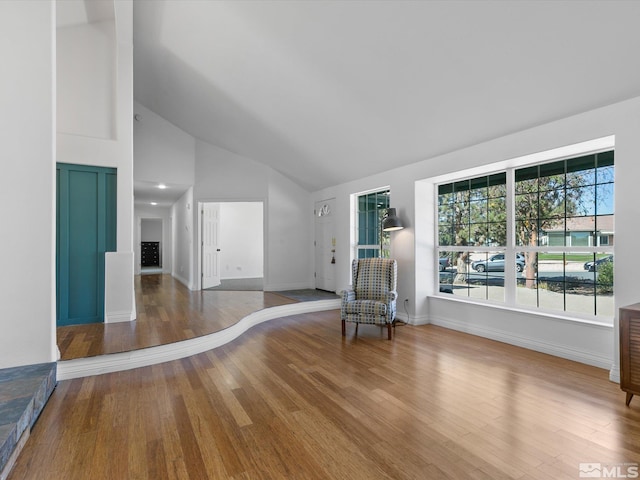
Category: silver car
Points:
column 495, row 263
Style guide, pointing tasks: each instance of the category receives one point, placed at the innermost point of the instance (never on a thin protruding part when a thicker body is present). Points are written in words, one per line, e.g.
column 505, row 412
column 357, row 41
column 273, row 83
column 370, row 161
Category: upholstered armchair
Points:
column 373, row 296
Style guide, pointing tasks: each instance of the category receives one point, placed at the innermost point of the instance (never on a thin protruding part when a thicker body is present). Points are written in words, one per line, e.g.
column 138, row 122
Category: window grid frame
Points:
column 511, row 248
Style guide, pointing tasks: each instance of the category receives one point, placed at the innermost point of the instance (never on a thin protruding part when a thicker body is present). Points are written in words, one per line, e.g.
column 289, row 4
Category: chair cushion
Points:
column 366, row 307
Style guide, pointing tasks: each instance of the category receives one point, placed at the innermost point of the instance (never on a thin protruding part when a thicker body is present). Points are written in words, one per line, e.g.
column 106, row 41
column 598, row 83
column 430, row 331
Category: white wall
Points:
column 182, row 238
column 414, row 246
column 162, row 152
column 86, row 70
column 151, row 230
column 27, row 196
column 289, row 235
column 241, row 240
column 288, row 223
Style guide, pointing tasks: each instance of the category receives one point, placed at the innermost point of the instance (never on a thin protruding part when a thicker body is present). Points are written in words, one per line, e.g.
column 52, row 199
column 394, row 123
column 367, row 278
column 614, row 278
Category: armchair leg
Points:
column 344, row 328
column 389, row 330
column 357, row 328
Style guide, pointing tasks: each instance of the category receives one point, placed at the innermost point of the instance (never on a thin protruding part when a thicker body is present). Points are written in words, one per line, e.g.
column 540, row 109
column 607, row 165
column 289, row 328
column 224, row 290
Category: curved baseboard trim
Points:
column 115, row 362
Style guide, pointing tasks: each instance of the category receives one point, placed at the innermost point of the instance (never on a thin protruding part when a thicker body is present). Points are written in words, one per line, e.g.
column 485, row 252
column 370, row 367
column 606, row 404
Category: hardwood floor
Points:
column 167, row 312
column 294, row 399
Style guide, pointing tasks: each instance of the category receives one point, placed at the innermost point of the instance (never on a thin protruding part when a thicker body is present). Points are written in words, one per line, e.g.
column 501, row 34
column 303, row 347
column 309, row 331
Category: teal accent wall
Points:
column 86, row 229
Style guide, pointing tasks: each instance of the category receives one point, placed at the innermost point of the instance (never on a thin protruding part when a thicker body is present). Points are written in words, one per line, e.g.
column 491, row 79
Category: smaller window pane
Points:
column 526, row 206
column 445, row 189
column 461, row 187
column 498, row 184
column 497, row 209
column 478, row 188
column 526, row 281
column 382, row 200
column 445, row 214
column 552, row 176
column 551, row 203
column 554, row 234
column 461, row 234
column 581, row 201
column 479, row 233
column 486, row 275
column 526, row 180
column 604, row 286
column 362, row 203
column 581, row 171
column 605, row 174
column 605, row 159
column 496, row 235
column 362, row 236
column 478, row 211
column 604, row 199
column 604, row 228
column 445, row 199
column 528, row 232
column 445, row 234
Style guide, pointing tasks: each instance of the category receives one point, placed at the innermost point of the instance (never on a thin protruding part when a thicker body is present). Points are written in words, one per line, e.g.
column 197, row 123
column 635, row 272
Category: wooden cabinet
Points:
column 630, row 350
column 150, row 254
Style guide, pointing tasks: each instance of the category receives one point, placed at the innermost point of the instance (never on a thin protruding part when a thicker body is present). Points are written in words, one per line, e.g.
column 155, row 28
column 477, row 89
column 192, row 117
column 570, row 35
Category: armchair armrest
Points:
column 348, row 295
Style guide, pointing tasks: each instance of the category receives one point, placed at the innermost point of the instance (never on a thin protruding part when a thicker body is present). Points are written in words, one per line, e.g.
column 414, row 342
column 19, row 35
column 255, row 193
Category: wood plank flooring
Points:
column 167, row 312
column 293, row 399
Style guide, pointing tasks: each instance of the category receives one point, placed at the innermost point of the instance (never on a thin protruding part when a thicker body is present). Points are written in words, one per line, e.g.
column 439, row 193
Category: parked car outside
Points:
column 495, row 263
column 443, row 264
column 593, row 266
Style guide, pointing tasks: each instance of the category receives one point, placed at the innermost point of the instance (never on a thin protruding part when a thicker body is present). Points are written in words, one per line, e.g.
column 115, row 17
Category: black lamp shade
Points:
column 391, row 221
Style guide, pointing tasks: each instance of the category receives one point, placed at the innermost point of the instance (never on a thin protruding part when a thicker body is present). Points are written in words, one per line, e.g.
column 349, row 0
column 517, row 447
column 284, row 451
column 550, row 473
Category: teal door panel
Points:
column 86, row 229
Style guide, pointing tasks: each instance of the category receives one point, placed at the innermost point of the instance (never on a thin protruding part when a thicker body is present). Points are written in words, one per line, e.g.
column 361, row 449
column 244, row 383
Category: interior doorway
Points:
column 231, row 253
column 151, row 245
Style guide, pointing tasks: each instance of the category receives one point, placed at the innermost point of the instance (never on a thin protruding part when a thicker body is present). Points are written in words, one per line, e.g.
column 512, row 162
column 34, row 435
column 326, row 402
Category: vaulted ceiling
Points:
column 330, row 91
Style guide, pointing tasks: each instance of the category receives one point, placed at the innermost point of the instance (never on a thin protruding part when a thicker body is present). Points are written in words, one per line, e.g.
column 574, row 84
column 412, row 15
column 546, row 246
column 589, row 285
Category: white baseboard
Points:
column 412, row 320
column 558, row 350
column 182, row 280
column 115, row 317
column 614, row 374
column 115, row 362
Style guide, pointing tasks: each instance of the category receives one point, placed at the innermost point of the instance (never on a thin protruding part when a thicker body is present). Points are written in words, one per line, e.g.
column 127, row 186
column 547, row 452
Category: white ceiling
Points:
column 330, row 91
column 145, row 193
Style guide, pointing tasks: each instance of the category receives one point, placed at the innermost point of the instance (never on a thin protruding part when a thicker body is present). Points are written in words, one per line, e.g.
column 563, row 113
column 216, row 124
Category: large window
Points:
column 370, row 208
column 541, row 236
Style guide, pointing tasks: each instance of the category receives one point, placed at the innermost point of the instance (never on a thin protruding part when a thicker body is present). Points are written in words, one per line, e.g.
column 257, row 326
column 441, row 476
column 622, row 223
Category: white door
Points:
column 325, row 245
column 210, row 245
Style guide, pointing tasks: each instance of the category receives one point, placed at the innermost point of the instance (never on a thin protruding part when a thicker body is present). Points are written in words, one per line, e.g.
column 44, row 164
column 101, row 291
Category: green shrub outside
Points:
column 605, row 278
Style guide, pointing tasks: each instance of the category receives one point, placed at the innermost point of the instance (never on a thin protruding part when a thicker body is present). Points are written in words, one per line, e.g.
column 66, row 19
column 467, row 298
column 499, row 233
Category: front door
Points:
column 210, row 245
column 85, row 229
column 325, row 245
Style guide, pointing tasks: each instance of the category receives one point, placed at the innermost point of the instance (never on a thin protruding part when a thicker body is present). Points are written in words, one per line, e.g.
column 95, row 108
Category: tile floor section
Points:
column 23, row 393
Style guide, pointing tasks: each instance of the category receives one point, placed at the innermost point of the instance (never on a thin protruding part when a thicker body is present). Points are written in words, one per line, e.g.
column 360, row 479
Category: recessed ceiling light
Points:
column 154, row 203
column 162, row 186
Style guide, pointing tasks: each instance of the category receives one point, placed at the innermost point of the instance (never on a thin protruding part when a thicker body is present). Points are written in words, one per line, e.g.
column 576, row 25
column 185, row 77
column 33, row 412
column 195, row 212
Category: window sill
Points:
column 537, row 312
